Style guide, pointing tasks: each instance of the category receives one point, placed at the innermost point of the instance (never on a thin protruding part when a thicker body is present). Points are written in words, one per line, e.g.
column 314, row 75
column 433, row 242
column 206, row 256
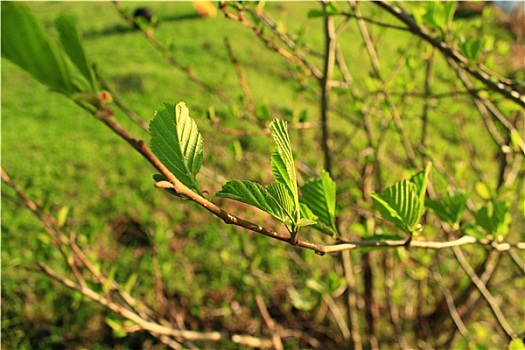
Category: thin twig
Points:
column 173, row 61
column 270, row 323
column 489, row 80
column 428, row 91
column 241, row 77
column 450, row 302
column 153, row 327
column 483, row 105
column 292, row 57
column 287, row 40
column 132, row 115
column 486, row 293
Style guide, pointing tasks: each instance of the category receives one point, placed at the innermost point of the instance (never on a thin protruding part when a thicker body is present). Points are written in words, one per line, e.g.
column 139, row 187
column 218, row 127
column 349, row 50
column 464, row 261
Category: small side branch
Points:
column 490, row 81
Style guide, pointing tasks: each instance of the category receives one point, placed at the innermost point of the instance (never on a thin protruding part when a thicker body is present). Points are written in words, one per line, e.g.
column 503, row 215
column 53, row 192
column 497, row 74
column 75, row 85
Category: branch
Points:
column 292, row 57
column 173, row 61
column 152, row 327
column 485, row 292
column 490, row 81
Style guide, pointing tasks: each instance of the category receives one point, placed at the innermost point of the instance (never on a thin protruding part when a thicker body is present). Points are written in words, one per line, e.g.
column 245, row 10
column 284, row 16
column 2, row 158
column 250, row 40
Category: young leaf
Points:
column 283, row 167
column 404, row 202
column 72, row 44
column 176, row 141
column 449, row 208
column 420, row 180
column 494, row 218
column 279, row 192
column 306, row 213
column 399, row 204
column 254, row 194
column 282, row 159
column 319, row 196
column 329, row 10
column 25, row 43
column 516, row 344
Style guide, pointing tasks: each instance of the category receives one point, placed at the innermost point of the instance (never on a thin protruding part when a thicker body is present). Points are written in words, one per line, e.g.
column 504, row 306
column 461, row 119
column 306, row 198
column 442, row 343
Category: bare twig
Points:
column 450, row 301
column 291, row 56
column 270, row 323
column 241, row 77
column 173, row 61
column 152, row 327
column 389, row 270
column 480, row 74
column 132, row 115
column 485, row 105
column 486, row 293
column 288, row 41
column 428, row 91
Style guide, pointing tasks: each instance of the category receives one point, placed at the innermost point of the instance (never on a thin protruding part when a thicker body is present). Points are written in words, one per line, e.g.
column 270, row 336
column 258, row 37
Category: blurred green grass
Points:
column 64, row 158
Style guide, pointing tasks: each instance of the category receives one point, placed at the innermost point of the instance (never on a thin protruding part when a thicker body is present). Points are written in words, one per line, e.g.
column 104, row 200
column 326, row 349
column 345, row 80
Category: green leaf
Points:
column 329, row 10
column 279, row 192
column 439, row 15
column 420, row 180
column 449, row 208
column 516, row 344
column 116, row 326
column 494, row 218
column 176, row 141
column 404, row 202
column 254, row 194
column 305, row 222
column 307, row 213
column 400, row 205
column 319, row 196
column 483, row 190
column 26, row 44
column 471, row 48
column 72, row 44
column 283, row 167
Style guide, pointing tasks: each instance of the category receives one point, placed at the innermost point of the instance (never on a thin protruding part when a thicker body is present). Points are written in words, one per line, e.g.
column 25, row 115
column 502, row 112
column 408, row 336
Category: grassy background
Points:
column 65, row 159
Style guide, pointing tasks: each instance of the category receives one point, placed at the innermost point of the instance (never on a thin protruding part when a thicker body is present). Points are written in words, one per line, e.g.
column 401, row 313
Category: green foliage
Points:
column 329, row 10
column 470, row 48
column 176, row 141
column 404, row 202
column 439, row 15
column 26, row 44
column 494, row 218
column 71, row 42
column 100, row 179
column 279, row 199
column 319, row 196
column 450, row 208
column 252, row 193
column 516, row 344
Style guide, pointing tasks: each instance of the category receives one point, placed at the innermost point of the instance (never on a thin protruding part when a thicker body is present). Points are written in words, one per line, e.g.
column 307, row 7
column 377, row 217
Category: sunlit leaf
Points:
column 283, row 167
column 72, row 44
column 176, row 141
column 279, row 192
column 399, row 204
column 516, row 344
column 494, row 218
column 25, row 43
column 404, row 202
column 319, row 196
column 254, row 194
column 483, row 190
column 450, row 208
